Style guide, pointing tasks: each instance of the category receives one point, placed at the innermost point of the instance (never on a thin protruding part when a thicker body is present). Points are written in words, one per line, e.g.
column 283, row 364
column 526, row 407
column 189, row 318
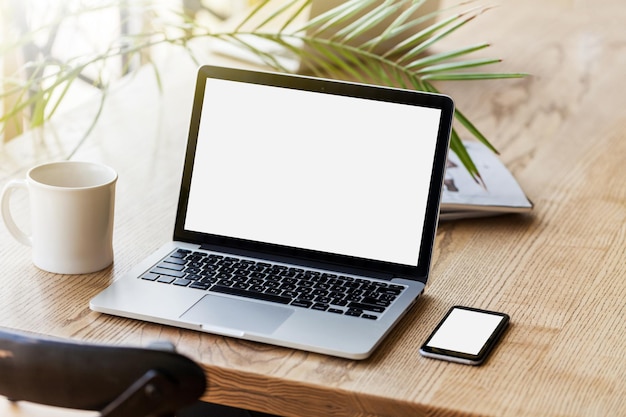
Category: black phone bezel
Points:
column 462, row 357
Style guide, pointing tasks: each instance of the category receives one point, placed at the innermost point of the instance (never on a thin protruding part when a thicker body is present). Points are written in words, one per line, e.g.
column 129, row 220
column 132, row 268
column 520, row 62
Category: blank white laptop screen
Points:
column 324, row 172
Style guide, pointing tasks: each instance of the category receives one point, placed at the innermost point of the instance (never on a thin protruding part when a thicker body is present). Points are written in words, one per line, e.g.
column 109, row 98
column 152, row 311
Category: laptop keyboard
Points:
column 299, row 287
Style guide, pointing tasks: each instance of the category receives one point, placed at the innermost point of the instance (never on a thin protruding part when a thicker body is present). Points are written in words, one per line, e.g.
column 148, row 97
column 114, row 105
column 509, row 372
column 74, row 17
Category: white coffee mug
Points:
column 71, row 212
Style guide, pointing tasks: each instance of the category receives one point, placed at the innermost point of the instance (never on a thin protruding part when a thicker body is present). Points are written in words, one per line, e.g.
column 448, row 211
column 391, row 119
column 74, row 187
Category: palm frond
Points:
column 436, row 58
column 336, row 17
column 456, row 146
column 365, row 23
column 464, row 76
column 402, row 24
column 449, row 66
column 260, row 5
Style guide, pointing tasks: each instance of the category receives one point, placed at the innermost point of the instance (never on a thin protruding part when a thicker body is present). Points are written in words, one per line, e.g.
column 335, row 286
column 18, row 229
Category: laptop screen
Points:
column 319, row 171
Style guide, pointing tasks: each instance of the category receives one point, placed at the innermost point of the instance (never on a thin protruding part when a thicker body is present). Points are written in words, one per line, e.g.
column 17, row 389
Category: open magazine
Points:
column 463, row 197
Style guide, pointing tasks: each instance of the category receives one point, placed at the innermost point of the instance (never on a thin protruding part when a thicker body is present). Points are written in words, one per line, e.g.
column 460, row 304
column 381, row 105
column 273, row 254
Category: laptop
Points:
column 306, row 217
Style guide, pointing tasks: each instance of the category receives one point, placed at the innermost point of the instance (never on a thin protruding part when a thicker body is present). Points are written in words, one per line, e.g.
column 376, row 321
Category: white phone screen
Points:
column 465, row 331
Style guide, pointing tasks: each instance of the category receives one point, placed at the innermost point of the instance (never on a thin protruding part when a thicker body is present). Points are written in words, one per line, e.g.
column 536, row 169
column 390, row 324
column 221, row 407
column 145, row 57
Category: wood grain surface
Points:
column 560, row 273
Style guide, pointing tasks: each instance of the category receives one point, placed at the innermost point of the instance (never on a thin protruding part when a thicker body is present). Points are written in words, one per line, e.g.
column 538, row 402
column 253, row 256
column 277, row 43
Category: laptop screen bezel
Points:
column 418, row 272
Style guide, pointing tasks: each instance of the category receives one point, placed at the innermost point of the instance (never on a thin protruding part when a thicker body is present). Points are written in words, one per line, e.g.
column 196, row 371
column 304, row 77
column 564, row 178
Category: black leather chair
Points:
column 116, row 381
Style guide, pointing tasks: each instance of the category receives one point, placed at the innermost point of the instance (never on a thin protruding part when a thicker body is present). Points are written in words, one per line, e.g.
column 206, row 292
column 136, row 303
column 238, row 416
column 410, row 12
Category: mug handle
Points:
column 17, row 233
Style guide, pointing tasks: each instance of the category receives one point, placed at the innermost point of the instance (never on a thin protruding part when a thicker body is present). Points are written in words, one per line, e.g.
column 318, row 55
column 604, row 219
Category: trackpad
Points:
column 242, row 315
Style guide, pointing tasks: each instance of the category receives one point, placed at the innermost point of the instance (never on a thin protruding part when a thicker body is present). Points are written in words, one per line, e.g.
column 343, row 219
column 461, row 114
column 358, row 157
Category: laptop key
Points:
column 376, row 302
column 256, row 288
column 250, row 294
column 354, row 312
column 200, row 285
column 395, row 290
column 241, row 285
column 174, row 260
column 324, row 299
column 290, row 294
column 274, row 291
column 165, row 279
column 366, row 307
column 149, row 276
column 302, row 303
column 339, row 302
column 175, row 267
column 168, row 272
column 353, row 297
column 307, row 297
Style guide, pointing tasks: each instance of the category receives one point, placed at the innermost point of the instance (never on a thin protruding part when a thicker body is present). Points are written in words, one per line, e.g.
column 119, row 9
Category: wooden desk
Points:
column 560, row 273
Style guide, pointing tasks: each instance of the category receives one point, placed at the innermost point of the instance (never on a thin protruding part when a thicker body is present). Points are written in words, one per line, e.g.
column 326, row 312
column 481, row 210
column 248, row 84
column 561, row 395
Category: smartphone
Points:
column 465, row 335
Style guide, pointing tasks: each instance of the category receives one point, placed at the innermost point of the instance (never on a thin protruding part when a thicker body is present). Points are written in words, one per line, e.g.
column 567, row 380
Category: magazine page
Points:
column 464, row 197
